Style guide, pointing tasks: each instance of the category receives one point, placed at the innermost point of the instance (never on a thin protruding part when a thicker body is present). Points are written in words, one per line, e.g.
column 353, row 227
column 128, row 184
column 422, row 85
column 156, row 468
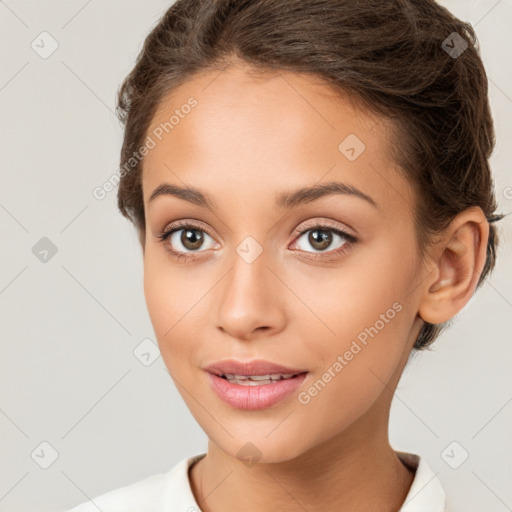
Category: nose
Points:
column 252, row 300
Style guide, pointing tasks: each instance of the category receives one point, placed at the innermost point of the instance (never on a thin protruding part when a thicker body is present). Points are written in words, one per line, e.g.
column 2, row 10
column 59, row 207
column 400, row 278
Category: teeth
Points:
column 248, row 382
column 256, row 380
column 254, row 377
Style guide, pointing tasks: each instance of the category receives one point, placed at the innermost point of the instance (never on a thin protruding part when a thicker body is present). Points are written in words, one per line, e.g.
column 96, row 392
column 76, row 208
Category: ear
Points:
column 456, row 268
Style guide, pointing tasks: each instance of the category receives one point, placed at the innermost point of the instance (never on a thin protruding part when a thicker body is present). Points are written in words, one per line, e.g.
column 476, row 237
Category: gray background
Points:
column 69, row 326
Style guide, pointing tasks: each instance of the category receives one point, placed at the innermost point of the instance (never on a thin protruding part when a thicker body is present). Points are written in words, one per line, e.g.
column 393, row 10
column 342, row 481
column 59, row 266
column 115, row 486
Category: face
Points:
column 320, row 282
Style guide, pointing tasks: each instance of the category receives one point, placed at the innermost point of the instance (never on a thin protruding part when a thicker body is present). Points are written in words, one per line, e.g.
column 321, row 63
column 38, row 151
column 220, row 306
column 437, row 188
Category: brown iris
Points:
column 192, row 239
column 320, row 239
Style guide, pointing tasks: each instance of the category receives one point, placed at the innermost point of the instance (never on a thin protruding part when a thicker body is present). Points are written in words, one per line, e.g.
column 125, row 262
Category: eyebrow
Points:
column 189, row 194
column 308, row 194
column 286, row 200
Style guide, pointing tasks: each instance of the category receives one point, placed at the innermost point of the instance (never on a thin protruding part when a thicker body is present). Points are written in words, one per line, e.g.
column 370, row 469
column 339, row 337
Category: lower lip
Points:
column 254, row 397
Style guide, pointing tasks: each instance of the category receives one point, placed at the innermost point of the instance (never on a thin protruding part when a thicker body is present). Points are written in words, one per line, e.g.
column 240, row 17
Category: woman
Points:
column 310, row 184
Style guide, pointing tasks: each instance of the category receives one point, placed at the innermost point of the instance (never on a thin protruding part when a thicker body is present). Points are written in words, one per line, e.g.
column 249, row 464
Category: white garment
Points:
column 171, row 492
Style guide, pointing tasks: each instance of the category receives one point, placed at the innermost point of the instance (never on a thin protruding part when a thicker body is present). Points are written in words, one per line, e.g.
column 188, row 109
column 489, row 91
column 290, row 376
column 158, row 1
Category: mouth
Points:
column 253, row 385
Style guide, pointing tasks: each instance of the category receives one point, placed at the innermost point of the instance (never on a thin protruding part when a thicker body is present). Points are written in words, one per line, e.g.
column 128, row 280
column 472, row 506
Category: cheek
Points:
column 356, row 364
column 174, row 306
column 369, row 312
column 366, row 289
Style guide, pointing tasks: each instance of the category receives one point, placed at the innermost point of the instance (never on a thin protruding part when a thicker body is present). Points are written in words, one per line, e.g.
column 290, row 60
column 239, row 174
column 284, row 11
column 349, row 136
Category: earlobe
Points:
column 462, row 254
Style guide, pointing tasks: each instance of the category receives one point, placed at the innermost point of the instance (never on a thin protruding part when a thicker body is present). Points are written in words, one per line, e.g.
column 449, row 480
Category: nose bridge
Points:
column 248, row 300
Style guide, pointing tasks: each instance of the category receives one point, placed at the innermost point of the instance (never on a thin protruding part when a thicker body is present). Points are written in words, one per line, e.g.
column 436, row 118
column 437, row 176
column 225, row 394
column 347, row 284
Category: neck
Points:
column 356, row 470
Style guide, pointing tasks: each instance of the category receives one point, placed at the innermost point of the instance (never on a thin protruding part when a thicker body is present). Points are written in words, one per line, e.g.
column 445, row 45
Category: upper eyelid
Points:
column 310, row 224
column 182, row 224
column 323, row 224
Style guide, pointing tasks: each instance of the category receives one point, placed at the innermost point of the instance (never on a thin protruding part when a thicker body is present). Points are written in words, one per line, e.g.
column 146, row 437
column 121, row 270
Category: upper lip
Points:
column 253, row 367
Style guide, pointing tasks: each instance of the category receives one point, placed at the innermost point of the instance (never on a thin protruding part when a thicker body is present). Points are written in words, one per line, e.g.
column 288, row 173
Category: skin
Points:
column 249, row 139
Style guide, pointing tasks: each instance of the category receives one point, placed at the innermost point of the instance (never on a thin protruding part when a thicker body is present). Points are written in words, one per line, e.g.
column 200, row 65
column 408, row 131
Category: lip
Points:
column 253, row 367
column 253, row 397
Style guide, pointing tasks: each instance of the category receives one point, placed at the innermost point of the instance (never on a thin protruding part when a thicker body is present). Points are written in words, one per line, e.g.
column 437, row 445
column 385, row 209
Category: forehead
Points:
column 265, row 131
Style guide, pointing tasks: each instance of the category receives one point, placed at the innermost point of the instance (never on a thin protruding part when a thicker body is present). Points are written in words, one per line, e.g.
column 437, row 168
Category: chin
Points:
column 254, row 444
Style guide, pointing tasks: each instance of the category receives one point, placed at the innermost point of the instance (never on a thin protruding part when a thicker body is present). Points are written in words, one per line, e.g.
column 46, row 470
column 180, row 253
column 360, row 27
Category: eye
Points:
column 185, row 238
column 322, row 237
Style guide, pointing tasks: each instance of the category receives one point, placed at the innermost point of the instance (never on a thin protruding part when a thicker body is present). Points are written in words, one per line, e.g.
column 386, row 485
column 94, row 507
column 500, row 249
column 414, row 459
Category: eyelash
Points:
column 179, row 225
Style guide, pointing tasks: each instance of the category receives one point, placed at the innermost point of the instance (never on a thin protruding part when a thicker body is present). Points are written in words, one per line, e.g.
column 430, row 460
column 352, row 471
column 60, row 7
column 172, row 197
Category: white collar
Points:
column 425, row 495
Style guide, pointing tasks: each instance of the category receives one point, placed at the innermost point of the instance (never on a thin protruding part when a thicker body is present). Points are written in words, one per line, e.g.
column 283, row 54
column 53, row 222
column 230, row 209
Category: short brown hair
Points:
column 395, row 56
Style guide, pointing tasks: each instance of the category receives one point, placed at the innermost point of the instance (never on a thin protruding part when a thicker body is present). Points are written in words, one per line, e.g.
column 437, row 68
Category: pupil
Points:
column 320, row 239
column 191, row 238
